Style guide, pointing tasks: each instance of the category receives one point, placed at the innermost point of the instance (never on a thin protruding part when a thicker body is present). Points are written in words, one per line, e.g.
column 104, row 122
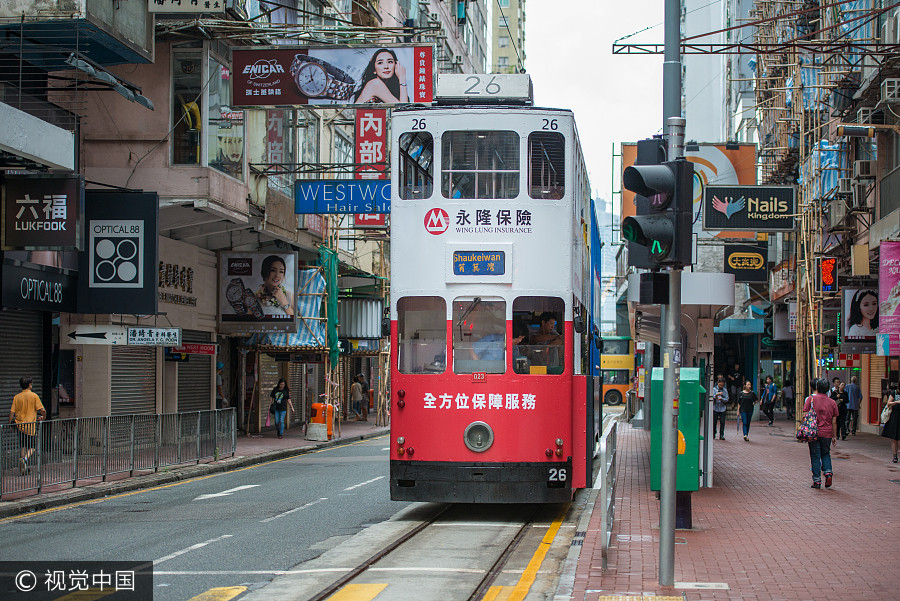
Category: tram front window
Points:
column 479, row 336
column 422, row 335
column 546, row 165
column 480, row 164
column 416, row 167
column 538, row 328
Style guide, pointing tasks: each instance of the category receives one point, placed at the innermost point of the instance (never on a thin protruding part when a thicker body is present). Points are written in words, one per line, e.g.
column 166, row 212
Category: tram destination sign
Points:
column 335, row 196
column 475, row 262
column 485, row 87
column 749, row 208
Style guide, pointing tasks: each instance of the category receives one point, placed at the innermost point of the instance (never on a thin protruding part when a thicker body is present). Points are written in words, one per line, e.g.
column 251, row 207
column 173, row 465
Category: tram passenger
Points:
column 547, row 333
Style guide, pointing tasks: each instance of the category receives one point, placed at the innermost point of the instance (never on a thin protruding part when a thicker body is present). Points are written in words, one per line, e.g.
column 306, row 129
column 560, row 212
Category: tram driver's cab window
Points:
column 546, row 165
column 479, row 336
column 422, row 335
column 416, row 165
column 538, row 335
column 480, row 164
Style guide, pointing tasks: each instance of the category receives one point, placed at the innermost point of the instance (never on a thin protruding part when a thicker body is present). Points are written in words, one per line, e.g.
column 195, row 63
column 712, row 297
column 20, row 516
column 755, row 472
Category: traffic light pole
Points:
column 671, row 376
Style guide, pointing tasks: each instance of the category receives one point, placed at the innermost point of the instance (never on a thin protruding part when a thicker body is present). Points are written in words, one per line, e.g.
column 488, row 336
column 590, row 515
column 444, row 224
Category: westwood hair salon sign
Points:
column 749, row 208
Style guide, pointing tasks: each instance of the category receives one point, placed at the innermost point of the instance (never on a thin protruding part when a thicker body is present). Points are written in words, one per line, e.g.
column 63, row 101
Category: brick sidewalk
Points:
column 760, row 530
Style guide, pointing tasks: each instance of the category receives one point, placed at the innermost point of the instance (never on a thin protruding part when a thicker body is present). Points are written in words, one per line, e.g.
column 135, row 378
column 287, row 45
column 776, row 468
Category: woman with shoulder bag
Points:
column 891, row 428
column 281, row 398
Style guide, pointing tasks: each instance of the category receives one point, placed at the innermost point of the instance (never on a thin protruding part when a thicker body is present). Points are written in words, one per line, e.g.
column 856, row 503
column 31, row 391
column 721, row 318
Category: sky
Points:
column 616, row 98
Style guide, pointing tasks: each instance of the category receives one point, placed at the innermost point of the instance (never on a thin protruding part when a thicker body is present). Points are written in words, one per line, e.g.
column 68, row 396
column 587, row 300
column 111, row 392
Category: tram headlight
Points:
column 400, row 440
column 559, row 442
column 478, row 437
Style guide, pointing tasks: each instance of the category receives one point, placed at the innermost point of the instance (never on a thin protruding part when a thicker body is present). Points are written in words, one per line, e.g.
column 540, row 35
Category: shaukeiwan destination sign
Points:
column 342, row 196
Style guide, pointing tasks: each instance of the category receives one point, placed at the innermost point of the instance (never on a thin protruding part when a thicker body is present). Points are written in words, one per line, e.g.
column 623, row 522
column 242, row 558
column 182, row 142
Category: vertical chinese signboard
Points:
column 371, row 143
column 888, row 338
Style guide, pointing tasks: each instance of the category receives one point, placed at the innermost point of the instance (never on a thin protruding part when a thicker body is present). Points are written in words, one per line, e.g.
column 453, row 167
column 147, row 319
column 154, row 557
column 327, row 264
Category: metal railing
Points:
column 606, row 482
column 84, row 448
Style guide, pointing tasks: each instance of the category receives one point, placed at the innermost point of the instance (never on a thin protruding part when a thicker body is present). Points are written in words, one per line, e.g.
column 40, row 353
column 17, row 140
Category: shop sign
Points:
column 331, row 75
column 747, row 262
column 118, row 267
column 749, row 208
column 174, row 279
column 38, row 288
column 88, row 334
column 828, row 274
column 371, row 143
column 342, row 196
column 370, row 221
column 43, row 212
column 142, row 336
column 187, row 6
column 195, row 349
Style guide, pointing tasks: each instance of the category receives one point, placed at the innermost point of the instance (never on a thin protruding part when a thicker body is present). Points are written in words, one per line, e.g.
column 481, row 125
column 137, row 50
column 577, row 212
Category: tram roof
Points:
column 473, row 105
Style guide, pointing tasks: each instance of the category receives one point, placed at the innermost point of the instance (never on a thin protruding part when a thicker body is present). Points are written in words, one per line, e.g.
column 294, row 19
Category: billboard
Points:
column 749, row 208
column 748, row 262
column 258, row 291
column 859, row 314
column 889, row 293
column 117, row 270
column 332, row 75
column 342, row 196
column 42, row 212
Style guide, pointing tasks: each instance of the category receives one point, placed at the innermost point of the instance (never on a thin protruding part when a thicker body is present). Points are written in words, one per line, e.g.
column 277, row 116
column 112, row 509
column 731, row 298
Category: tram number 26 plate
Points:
column 557, row 474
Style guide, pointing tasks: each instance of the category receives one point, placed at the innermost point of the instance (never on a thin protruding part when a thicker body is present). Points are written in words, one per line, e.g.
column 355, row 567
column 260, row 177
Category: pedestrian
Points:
column 365, row 395
column 747, row 399
column 842, row 400
column 281, row 399
column 719, row 398
column 891, row 429
column 787, row 399
column 769, row 392
column 356, row 395
column 735, row 381
column 220, row 386
column 25, row 412
column 826, row 423
column 854, row 399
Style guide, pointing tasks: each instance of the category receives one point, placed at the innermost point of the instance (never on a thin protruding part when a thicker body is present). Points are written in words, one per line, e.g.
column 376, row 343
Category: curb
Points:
column 44, row 501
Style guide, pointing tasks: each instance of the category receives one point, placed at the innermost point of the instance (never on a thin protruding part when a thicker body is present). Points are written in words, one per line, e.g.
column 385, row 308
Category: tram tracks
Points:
column 429, row 557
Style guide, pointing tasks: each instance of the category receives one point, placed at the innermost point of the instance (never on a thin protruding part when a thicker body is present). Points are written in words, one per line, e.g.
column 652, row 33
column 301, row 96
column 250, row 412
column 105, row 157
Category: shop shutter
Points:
column 295, row 383
column 195, row 388
column 877, row 371
column 133, row 380
column 21, row 355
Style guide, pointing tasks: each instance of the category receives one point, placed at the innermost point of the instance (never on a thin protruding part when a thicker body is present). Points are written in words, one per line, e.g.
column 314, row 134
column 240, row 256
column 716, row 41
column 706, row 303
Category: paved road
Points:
column 236, row 528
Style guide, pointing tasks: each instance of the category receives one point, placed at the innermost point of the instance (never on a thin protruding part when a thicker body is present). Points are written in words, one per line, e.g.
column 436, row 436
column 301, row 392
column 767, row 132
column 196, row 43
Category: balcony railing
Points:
column 67, row 451
column 36, row 107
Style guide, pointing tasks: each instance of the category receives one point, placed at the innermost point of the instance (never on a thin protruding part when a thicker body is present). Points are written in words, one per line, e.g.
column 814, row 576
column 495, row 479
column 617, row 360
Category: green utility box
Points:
column 690, row 408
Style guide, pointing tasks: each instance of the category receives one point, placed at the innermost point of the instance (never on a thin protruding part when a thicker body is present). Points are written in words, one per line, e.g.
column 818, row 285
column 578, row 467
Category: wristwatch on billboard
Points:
column 234, row 293
column 251, row 304
column 317, row 78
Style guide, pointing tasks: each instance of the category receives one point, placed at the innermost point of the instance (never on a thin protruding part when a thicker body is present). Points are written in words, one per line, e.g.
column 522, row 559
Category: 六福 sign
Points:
column 43, row 212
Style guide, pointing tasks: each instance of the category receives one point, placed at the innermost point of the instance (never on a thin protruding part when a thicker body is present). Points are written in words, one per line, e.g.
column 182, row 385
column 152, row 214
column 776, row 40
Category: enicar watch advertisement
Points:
column 290, row 76
column 258, row 291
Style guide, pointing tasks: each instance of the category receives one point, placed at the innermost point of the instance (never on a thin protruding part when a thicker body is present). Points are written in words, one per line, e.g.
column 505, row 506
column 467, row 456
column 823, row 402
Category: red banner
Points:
column 195, row 349
column 371, row 143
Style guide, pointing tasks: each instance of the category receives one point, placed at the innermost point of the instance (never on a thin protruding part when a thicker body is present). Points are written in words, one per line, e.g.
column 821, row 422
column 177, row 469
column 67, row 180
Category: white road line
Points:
column 386, row 449
column 479, row 524
column 225, row 493
column 290, row 511
column 250, row 572
column 363, row 483
column 189, row 549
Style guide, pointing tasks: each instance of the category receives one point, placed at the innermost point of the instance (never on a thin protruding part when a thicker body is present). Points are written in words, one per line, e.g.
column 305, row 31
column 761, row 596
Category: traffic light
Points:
column 666, row 228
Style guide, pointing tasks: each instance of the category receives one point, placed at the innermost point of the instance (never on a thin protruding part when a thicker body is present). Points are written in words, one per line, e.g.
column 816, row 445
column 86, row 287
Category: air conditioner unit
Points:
column 837, row 211
column 864, row 115
column 844, row 187
column 860, row 195
column 863, row 169
column 890, row 90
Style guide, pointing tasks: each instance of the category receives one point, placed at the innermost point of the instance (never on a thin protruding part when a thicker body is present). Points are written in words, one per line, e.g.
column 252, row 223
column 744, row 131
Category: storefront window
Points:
column 226, row 124
column 187, row 116
column 479, row 336
column 422, row 335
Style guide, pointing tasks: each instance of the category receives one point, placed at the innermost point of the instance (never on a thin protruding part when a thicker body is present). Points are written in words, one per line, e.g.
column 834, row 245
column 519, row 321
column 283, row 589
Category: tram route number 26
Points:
column 557, row 474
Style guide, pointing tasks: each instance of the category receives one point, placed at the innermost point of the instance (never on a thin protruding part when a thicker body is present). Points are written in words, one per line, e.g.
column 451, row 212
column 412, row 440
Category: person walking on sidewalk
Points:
column 769, row 392
column 356, row 397
column 842, row 400
column 735, row 380
column 826, row 423
column 854, row 399
column 719, row 398
column 891, row 429
column 746, row 401
column 26, row 410
column 281, row 398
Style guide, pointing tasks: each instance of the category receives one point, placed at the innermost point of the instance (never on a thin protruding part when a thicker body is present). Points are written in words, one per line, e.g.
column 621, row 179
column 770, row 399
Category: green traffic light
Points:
column 629, row 233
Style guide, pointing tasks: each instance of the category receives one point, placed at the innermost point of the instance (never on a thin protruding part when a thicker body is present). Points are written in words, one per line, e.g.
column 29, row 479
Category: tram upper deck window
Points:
column 479, row 336
column 416, row 165
column 539, row 321
column 546, row 165
column 614, row 347
column 422, row 335
column 480, row 164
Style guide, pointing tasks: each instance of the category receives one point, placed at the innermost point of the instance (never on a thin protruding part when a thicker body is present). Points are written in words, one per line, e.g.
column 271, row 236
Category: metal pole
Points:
column 672, row 61
column 669, row 434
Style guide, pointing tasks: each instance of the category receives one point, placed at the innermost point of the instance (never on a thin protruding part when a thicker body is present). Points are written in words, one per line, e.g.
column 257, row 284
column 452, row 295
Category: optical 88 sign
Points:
column 117, row 254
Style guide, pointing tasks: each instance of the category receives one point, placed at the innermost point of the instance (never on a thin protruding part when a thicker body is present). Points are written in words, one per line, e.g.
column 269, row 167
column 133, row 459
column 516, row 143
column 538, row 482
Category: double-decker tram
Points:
column 490, row 288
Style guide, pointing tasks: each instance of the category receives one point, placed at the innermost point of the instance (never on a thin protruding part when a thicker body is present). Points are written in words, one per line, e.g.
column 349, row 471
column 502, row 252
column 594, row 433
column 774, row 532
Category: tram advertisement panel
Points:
column 257, row 291
column 301, row 75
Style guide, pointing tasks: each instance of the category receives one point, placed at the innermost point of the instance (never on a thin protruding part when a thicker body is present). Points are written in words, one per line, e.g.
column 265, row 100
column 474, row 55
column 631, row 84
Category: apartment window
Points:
column 503, row 22
column 503, row 3
column 280, row 148
column 503, row 41
column 503, row 61
column 187, row 117
column 343, row 149
column 226, row 124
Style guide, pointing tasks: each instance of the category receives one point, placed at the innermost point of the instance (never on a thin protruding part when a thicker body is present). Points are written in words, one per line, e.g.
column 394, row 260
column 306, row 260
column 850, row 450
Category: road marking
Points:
column 480, row 524
column 358, row 592
column 225, row 493
column 290, row 511
column 528, row 576
column 363, row 483
column 189, row 549
column 88, row 595
column 249, row 572
column 223, row 593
